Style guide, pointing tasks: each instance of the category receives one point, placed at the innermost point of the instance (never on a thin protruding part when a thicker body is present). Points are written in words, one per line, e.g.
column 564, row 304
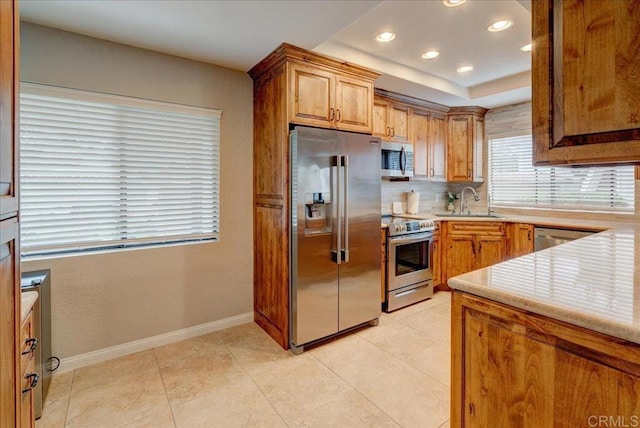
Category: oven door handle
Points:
column 410, row 240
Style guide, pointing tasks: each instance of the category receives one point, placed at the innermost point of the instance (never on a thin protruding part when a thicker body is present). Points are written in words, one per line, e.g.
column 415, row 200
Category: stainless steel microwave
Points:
column 397, row 160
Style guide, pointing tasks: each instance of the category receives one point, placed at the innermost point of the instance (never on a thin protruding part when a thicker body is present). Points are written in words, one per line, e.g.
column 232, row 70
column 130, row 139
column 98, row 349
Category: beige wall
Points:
column 107, row 299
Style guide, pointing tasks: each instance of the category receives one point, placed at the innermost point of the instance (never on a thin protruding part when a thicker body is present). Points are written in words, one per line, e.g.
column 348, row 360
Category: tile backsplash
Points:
column 432, row 195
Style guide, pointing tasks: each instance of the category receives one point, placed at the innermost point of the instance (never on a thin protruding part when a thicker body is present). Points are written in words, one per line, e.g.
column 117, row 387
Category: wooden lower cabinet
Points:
column 383, row 264
column 28, row 376
column 511, row 368
column 472, row 245
column 520, row 239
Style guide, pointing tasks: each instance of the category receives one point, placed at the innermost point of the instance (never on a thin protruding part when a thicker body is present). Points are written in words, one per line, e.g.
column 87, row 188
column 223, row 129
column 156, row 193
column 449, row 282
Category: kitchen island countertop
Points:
column 590, row 282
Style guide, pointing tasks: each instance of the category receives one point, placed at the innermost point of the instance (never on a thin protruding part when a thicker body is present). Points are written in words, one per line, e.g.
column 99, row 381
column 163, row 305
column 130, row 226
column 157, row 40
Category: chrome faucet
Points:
column 463, row 201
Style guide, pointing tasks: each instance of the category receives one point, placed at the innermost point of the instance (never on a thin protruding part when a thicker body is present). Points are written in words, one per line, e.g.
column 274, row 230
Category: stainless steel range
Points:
column 409, row 272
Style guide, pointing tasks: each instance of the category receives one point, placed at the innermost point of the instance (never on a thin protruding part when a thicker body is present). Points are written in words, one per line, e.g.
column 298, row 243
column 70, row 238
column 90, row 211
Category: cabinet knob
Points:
column 388, row 131
column 393, row 132
column 331, row 114
column 469, row 173
column 339, row 115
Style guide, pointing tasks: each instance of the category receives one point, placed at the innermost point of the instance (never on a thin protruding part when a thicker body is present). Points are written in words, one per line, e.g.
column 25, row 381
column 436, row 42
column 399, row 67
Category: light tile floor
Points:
column 394, row 374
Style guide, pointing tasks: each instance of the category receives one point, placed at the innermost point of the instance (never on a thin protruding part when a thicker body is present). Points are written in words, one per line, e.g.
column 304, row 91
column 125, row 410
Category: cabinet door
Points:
column 520, row 239
column 490, row 249
column 461, row 254
column 459, row 148
column 380, row 119
column 438, row 148
column 478, row 152
column 9, row 316
column 420, row 137
column 9, row 36
column 399, row 122
column 586, row 104
column 353, row 104
column 383, row 267
column 436, row 254
column 311, row 96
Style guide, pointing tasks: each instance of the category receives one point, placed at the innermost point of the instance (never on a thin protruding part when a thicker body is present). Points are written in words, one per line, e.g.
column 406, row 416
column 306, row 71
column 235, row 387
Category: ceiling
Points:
column 238, row 34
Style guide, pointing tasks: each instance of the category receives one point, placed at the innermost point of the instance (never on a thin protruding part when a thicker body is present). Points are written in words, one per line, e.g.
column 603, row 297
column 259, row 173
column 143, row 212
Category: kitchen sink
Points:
column 468, row 215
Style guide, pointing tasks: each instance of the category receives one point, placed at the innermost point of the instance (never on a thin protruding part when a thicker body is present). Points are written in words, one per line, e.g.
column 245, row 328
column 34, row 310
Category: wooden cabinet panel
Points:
column 436, row 260
column 9, row 53
column 513, row 368
column 459, row 149
column 490, row 250
column 9, row 322
column 420, row 137
column 586, row 94
column 461, row 254
column 478, row 152
column 383, row 267
column 311, row 96
column 353, row 104
column 472, row 245
column 27, row 418
column 380, row 123
column 399, row 122
column 438, row 148
column 520, row 237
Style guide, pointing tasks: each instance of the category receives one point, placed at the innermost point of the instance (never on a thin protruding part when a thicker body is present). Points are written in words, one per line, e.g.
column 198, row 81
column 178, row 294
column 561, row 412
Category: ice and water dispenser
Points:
column 317, row 215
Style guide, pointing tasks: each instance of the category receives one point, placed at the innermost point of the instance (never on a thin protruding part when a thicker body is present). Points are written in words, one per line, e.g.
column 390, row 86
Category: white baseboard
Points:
column 77, row 361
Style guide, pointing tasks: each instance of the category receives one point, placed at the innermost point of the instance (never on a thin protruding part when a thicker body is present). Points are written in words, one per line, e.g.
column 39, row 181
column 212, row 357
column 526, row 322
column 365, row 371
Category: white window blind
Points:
column 103, row 171
column 514, row 182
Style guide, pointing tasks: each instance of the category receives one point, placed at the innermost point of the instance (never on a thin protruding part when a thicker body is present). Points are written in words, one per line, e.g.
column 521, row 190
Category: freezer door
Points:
column 314, row 273
column 359, row 298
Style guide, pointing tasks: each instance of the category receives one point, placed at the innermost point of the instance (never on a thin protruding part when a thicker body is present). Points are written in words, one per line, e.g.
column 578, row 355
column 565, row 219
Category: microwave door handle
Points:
column 403, row 161
column 345, row 209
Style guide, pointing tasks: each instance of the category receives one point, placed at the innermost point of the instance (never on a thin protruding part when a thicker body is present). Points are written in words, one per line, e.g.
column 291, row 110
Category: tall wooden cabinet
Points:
column 586, row 91
column 293, row 86
column 464, row 144
column 10, row 394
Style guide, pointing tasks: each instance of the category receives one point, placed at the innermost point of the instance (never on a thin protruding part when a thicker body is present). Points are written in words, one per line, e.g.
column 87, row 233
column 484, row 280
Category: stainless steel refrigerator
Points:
column 335, row 233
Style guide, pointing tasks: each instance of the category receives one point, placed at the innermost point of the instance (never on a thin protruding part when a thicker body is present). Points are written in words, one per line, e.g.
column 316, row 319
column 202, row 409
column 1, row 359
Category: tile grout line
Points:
column 166, row 394
column 66, row 412
column 253, row 382
column 355, row 388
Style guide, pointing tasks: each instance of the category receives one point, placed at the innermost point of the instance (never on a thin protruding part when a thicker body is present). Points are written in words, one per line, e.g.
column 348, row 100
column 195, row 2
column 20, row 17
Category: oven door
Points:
column 409, row 260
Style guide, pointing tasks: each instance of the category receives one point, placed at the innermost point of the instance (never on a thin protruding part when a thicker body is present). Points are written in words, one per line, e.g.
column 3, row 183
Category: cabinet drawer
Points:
column 27, row 380
column 27, row 350
column 476, row 226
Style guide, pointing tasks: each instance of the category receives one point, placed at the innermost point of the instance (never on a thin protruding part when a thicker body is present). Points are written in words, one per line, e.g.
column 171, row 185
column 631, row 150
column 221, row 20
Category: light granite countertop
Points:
column 28, row 300
column 590, row 282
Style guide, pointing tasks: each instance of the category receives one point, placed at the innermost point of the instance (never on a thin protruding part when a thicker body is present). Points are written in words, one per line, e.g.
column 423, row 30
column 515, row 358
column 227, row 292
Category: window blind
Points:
column 514, row 181
column 103, row 171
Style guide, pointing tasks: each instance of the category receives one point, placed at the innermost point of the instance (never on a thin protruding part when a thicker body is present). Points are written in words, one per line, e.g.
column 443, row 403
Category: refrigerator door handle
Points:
column 336, row 254
column 345, row 248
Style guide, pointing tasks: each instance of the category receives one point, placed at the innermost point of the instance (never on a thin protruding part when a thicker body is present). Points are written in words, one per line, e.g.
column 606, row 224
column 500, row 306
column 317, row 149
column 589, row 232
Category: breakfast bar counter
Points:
column 550, row 339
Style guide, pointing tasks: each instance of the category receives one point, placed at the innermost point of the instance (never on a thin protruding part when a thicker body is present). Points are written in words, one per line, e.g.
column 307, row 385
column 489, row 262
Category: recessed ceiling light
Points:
column 430, row 54
column 385, row 37
column 499, row 26
column 464, row 69
column 453, row 3
column 526, row 48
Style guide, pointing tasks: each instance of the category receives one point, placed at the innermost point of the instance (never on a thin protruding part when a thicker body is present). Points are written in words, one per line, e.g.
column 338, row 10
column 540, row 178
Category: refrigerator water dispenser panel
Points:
column 317, row 218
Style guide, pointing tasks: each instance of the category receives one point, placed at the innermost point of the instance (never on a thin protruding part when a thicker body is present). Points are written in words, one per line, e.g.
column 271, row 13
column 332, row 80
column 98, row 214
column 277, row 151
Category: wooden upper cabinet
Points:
column 428, row 134
column 9, row 40
column 420, row 137
column 438, row 148
column 391, row 120
column 325, row 98
column 464, row 144
column 586, row 90
column 311, row 95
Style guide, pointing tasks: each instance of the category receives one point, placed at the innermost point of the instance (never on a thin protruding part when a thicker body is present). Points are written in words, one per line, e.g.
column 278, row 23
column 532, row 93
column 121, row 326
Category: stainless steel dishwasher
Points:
column 546, row 237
